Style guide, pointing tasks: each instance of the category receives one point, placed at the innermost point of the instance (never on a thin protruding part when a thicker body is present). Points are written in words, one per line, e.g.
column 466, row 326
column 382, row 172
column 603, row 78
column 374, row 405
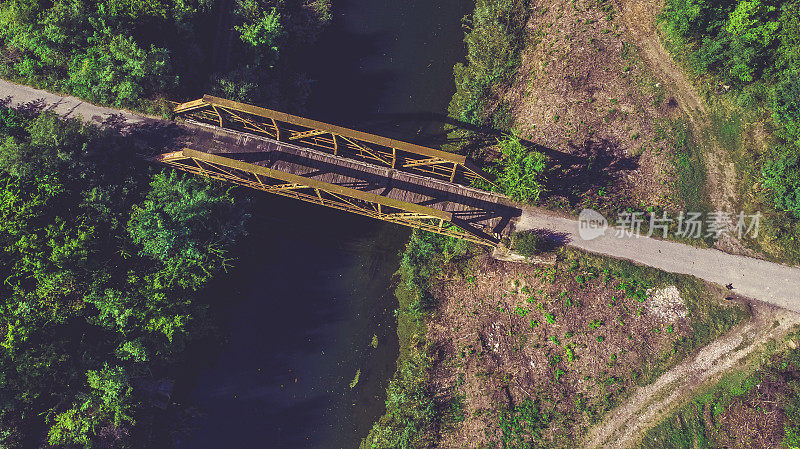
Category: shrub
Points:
column 786, row 106
column 522, row 425
column 522, row 175
column 781, row 175
column 494, row 41
column 528, row 244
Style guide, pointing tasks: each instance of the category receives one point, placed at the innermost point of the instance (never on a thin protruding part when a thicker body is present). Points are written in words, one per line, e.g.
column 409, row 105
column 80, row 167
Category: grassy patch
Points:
column 690, row 172
column 758, row 405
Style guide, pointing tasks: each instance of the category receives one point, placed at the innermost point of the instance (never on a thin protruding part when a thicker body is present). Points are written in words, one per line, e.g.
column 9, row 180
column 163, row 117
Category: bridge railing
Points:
column 334, row 139
column 314, row 191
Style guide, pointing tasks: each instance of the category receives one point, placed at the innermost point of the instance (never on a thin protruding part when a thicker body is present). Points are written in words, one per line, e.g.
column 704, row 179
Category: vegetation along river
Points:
column 299, row 312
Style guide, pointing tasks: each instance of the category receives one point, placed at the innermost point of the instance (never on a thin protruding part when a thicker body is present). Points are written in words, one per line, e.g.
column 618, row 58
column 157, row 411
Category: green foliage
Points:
column 90, row 49
column 74, row 272
column 521, row 427
column 418, row 263
column 523, row 171
column 172, row 226
column 494, row 41
column 120, row 73
column 751, row 50
column 527, row 244
column 735, row 40
column 127, row 53
column 108, row 403
column 786, row 106
column 410, row 411
column 751, row 31
column 261, row 29
column 782, row 176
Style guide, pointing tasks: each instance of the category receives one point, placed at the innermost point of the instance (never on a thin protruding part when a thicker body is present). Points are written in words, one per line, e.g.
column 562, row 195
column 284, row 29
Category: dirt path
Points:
column 625, row 425
column 639, row 19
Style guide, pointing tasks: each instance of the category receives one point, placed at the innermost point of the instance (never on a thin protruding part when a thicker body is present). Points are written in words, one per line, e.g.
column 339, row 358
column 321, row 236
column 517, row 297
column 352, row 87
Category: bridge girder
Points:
column 333, row 139
column 329, row 195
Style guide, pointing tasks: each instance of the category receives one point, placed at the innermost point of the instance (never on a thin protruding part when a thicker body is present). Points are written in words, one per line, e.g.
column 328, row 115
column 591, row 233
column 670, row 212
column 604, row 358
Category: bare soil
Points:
column 570, row 339
column 595, row 81
column 626, row 424
column 582, row 89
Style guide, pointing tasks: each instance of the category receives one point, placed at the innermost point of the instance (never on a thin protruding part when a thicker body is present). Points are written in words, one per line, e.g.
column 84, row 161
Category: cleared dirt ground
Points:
column 582, row 89
column 575, row 339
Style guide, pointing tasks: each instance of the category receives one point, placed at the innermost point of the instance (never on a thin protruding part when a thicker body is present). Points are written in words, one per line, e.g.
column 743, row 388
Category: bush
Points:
column 522, row 175
column 528, row 243
column 127, row 53
column 782, row 176
column 494, row 43
column 786, row 106
column 410, row 417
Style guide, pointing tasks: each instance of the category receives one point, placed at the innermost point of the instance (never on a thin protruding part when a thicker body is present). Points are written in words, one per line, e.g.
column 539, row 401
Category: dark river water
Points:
column 299, row 313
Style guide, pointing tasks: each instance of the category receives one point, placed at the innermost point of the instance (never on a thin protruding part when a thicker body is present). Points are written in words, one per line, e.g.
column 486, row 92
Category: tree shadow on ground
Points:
column 598, row 163
column 588, row 166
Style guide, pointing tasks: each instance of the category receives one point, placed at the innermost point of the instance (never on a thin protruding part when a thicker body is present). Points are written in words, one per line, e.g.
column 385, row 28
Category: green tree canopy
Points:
column 523, row 171
column 101, row 262
column 786, row 106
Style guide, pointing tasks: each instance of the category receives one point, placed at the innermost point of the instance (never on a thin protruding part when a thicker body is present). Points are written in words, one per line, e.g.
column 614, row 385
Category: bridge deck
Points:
column 471, row 208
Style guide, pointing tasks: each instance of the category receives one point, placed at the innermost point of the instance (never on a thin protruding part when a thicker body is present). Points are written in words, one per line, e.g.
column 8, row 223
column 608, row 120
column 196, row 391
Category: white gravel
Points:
column 666, row 304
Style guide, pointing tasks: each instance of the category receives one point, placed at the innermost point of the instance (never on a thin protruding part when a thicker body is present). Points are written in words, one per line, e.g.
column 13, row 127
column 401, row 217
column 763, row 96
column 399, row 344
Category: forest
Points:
column 131, row 53
column 104, row 258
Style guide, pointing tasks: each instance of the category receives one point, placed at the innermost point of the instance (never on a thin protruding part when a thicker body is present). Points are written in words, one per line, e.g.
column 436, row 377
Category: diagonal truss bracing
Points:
column 333, row 139
column 318, row 192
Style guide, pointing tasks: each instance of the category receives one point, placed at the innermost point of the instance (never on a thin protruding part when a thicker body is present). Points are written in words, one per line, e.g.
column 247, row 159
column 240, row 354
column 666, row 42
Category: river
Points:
column 299, row 312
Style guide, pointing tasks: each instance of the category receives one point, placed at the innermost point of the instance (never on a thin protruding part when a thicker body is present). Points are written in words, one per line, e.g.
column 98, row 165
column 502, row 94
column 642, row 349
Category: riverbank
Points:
column 513, row 354
column 334, row 290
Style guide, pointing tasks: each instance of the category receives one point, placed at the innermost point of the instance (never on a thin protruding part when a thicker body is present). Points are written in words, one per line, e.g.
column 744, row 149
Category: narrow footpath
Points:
column 765, row 281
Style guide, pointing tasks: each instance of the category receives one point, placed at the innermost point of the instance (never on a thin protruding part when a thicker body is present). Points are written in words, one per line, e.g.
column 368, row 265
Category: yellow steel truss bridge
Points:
column 340, row 168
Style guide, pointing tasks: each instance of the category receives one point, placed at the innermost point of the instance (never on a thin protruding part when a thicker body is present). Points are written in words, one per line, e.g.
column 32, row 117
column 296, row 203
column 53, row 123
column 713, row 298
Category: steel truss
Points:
column 322, row 193
column 333, row 139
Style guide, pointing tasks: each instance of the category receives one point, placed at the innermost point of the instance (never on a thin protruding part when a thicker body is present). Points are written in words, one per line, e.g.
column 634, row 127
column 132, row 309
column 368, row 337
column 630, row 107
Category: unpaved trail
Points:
column 639, row 19
column 624, row 426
